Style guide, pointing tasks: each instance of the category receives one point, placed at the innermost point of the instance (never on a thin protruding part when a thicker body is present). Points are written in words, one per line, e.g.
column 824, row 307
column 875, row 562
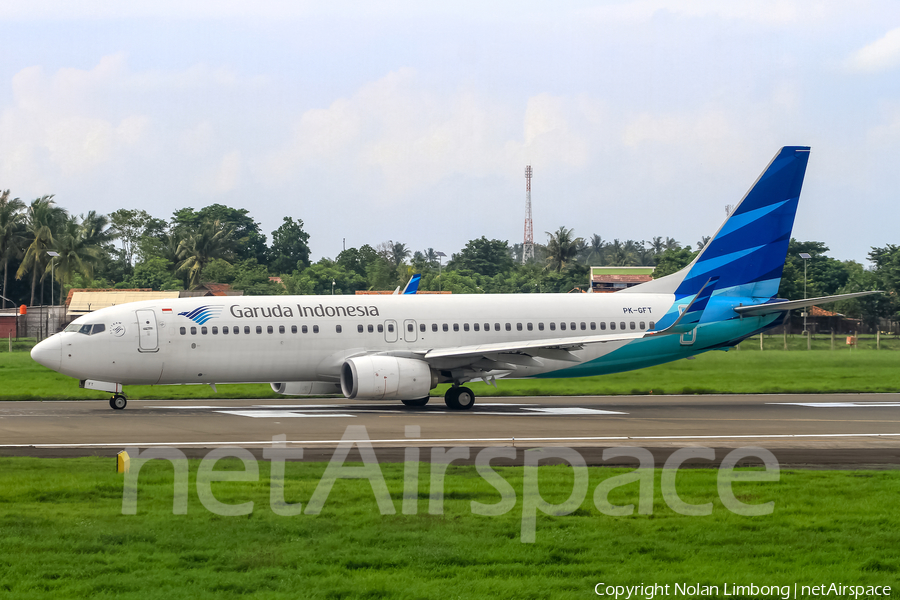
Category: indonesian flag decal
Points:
column 167, row 310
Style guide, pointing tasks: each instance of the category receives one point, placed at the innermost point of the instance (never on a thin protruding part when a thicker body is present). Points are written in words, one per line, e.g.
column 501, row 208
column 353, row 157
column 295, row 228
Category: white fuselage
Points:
column 308, row 338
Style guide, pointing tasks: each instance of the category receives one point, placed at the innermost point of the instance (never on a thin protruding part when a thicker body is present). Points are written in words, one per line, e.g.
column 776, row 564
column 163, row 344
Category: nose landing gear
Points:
column 118, row 402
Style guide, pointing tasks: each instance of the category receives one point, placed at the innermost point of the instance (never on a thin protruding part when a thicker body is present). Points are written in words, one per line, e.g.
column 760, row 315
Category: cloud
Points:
column 881, row 55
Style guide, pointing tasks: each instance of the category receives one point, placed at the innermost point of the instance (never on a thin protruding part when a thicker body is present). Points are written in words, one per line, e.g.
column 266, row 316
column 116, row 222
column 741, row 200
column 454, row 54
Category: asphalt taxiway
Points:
column 844, row 430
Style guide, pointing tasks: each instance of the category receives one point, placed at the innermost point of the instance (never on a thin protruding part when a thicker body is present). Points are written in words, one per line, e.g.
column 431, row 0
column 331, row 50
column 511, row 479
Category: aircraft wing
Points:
column 786, row 305
column 556, row 348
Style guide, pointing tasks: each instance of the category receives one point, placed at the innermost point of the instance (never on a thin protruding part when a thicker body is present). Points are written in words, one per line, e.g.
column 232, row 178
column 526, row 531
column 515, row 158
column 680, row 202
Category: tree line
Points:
column 130, row 248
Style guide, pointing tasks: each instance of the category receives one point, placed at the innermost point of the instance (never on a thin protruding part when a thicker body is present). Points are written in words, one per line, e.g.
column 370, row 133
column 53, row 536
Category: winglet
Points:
column 413, row 285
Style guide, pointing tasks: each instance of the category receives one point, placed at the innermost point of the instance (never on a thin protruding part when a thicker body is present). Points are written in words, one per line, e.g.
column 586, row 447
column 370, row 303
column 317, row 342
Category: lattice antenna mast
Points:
column 528, row 246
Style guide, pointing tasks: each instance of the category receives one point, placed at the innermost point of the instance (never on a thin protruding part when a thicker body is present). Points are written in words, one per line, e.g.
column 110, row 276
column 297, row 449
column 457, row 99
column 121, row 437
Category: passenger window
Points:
column 476, row 326
column 434, row 327
column 294, row 328
column 540, row 326
column 632, row 324
column 258, row 329
column 235, row 330
column 583, row 326
column 247, row 329
column 215, row 330
column 652, row 325
column 622, row 325
column 531, row 327
column 315, row 329
column 456, row 327
column 593, row 326
column 391, row 327
column 422, row 327
column 224, row 330
column 602, row 326
column 380, row 328
column 572, row 326
column 445, row 327
column 641, row 325
column 281, row 329
column 552, row 326
column 508, row 327
column 465, row 326
column 496, row 326
column 270, row 329
column 193, row 331
column 304, row 329
column 562, row 326
column 518, row 327
column 182, row 331
column 203, row 330
column 337, row 328
column 487, row 326
column 360, row 328
column 410, row 328
column 371, row 329
column 612, row 325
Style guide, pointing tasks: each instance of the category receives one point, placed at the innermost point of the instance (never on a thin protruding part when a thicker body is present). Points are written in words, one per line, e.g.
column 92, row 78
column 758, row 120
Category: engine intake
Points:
column 386, row 378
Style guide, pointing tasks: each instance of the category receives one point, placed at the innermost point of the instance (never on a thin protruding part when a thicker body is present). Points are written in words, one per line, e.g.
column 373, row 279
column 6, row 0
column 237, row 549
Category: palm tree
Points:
column 562, row 248
column 621, row 254
column 12, row 234
column 210, row 241
column 657, row 245
column 79, row 252
column 400, row 253
column 703, row 241
column 431, row 256
column 595, row 253
column 42, row 220
column 671, row 244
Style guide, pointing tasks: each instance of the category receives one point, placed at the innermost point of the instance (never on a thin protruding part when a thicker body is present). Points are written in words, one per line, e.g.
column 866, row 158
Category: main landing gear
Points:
column 459, row 398
column 118, row 402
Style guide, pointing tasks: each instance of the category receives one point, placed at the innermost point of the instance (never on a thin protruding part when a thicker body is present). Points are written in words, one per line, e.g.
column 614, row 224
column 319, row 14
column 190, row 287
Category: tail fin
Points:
column 747, row 253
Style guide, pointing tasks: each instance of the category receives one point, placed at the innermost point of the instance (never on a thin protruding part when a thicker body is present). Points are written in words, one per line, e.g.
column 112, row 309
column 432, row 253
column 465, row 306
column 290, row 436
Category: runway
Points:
column 825, row 430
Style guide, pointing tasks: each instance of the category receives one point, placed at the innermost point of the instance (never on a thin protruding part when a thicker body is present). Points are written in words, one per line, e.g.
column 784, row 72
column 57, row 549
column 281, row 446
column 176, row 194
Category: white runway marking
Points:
column 838, row 404
column 279, row 414
column 575, row 411
column 267, row 443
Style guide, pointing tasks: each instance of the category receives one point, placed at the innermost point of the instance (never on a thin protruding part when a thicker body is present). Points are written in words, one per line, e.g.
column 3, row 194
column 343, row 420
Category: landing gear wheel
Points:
column 459, row 398
column 419, row 402
column 118, row 402
column 465, row 398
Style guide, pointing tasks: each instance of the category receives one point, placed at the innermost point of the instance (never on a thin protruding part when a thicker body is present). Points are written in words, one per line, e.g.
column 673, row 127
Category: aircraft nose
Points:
column 49, row 353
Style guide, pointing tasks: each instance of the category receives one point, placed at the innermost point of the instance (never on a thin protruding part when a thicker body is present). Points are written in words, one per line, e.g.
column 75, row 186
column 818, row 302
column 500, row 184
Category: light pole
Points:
column 332, row 287
column 53, row 256
column 440, row 256
column 805, row 258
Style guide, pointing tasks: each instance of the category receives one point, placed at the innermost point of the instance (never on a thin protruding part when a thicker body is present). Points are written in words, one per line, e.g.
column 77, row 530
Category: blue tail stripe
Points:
column 748, row 252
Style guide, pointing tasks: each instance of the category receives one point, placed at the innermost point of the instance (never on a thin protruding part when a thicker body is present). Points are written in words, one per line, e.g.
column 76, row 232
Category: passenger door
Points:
column 410, row 333
column 148, row 340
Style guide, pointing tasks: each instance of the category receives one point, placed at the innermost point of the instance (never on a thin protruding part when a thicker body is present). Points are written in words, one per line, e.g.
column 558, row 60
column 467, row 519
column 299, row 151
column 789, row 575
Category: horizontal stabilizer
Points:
column 786, row 305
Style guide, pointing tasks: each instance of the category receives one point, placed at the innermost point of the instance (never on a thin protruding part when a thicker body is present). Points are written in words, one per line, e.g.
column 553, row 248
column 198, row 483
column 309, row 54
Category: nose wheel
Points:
column 118, row 402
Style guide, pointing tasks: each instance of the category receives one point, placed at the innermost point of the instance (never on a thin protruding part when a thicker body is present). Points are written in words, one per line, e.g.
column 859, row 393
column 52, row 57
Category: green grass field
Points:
column 63, row 535
column 773, row 370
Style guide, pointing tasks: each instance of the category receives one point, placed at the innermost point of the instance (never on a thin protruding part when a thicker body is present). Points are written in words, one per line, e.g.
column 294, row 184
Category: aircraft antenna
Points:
column 528, row 245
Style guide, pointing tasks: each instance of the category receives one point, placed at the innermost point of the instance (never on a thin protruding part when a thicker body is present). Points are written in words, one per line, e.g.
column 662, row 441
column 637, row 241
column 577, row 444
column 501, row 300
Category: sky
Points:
column 413, row 122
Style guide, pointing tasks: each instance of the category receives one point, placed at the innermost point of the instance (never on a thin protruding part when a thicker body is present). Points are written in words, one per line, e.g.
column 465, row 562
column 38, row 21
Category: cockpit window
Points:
column 87, row 329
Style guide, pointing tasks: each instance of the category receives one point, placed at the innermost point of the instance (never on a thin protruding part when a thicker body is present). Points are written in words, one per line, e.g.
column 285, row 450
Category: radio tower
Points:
column 528, row 246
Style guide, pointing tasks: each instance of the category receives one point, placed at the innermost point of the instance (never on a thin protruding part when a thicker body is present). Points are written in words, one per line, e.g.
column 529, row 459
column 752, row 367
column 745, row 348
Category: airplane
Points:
column 393, row 348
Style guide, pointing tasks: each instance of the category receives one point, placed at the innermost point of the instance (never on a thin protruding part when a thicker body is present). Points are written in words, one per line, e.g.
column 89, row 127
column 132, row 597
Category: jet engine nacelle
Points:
column 386, row 378
column 306, row 388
